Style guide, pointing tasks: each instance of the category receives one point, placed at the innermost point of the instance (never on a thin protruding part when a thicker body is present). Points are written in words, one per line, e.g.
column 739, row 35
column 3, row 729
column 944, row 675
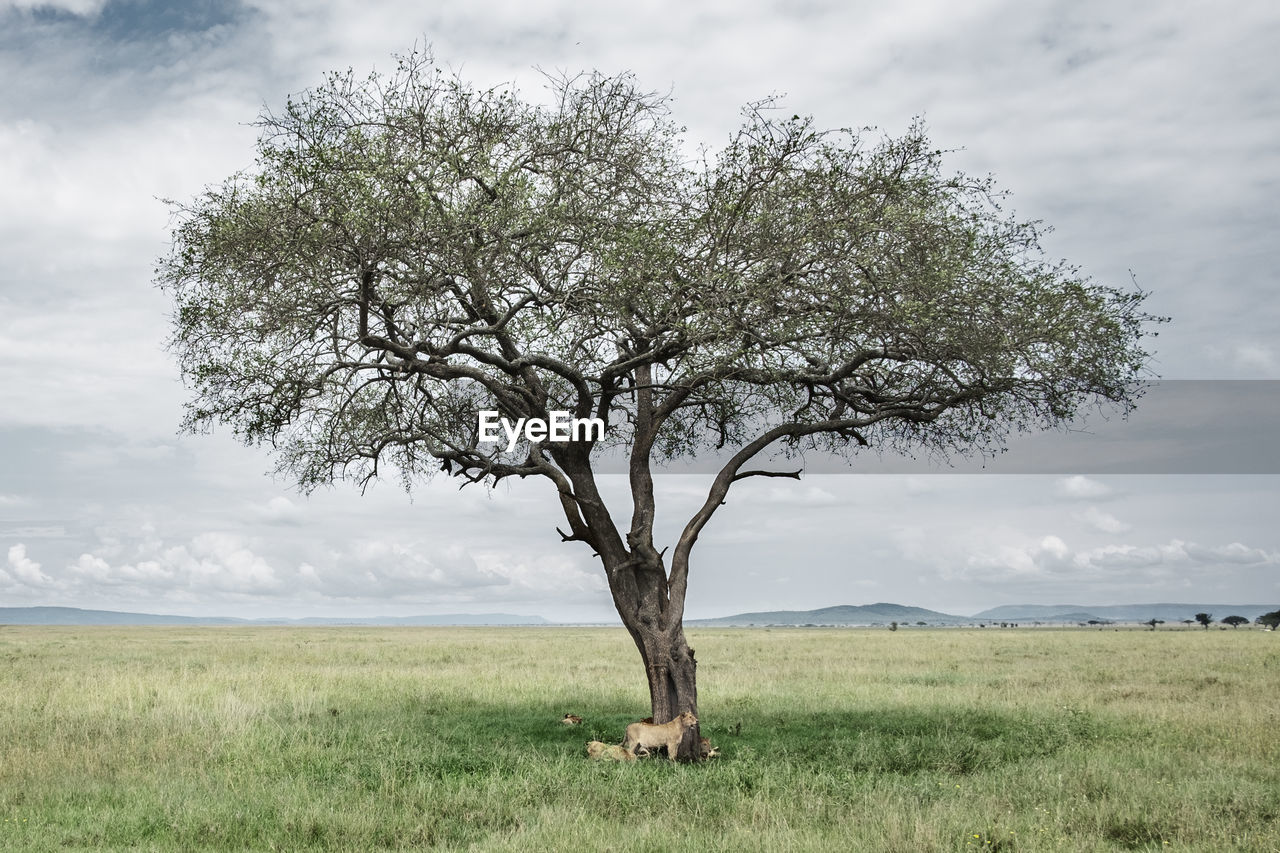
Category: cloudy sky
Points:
column 1149, row 139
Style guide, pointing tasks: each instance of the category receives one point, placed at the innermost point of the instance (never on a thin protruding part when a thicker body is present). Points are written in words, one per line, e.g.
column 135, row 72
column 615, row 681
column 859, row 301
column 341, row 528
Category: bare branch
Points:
column 794, row 475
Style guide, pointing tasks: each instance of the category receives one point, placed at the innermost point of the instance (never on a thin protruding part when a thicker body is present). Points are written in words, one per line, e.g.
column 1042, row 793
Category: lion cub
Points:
column 646, row 736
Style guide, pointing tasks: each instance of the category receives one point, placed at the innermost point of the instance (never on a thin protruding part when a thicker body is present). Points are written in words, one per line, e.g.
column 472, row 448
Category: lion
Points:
column 644, row 736
column 571, row 719
column 608, row 752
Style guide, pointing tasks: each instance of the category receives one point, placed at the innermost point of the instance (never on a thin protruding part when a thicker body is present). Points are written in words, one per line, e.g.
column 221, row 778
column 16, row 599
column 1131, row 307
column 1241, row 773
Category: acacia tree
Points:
column 408, row 250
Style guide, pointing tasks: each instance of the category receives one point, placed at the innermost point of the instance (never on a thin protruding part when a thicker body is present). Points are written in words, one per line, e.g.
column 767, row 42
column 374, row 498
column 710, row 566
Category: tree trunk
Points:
column 656, row 623
column 650, row 602
column 672, row 675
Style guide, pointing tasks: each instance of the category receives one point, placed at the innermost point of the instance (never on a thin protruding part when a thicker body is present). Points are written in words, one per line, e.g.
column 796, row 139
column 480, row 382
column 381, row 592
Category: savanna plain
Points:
column 855, row 739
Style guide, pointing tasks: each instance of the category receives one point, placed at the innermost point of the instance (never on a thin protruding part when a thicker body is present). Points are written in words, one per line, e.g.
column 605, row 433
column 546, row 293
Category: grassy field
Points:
column 364, row 739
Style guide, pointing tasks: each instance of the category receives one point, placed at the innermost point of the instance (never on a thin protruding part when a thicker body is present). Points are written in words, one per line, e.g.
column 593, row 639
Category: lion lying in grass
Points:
column 600, row 751
column 641, row 737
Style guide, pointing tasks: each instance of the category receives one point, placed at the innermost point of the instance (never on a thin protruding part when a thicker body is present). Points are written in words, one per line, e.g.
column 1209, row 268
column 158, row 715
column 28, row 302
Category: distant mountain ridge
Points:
column 844, row 614
column 1119, row 612
column 77, row 616
column 881, row 613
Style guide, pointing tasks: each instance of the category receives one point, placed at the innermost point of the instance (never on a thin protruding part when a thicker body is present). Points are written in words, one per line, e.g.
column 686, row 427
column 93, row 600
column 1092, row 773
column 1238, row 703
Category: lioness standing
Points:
column 646, row 736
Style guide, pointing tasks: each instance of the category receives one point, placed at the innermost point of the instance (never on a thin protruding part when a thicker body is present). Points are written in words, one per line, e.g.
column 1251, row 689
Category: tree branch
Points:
column 793, row 475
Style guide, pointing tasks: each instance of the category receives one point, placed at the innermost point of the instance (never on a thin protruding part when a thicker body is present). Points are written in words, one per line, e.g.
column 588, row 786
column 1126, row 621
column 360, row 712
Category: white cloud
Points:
column 1054, row 547
column 94, row 568
column 1234, row 553
column 379, row 570
column 1112, row 557
column 1081, row 487
column 138, row 565
column 279, row 510
column 211, row 562
column 26, row 571
column 1177, row 552
column 1050, row 557
column 1104, row 521
column 222, row 560
column 13, row 500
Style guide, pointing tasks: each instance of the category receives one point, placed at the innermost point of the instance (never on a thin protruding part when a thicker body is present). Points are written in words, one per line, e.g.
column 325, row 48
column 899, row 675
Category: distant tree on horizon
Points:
column 1153, row 623
column 1271, row 620
column 1204, row 619
column 1235, row 621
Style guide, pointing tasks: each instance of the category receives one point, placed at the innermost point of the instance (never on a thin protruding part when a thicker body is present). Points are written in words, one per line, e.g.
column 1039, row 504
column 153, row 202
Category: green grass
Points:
column 366, row 739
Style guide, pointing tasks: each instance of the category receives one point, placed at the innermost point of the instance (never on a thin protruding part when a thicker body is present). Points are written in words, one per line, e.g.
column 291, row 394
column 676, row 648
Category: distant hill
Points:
column 1119, row 612
column 1076, row 616
column 844, row 614
column 881, row 613
column 76, row 616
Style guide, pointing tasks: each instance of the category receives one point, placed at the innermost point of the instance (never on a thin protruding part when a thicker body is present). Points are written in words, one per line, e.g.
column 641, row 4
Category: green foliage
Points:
column 408, row 250
column 1271, row 620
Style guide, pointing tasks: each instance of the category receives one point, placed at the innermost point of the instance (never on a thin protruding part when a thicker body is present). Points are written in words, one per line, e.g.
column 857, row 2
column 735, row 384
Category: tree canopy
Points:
column 408, row 250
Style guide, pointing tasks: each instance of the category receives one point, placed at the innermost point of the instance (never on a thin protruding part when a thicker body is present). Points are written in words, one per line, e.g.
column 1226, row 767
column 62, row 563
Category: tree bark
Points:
column 643, row 597
column 671, row 670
